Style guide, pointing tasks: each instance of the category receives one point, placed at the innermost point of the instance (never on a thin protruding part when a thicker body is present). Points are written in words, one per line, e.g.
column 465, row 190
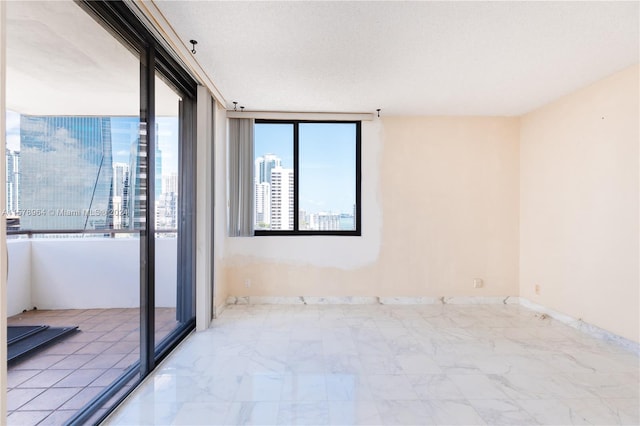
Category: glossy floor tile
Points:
column 388, row 365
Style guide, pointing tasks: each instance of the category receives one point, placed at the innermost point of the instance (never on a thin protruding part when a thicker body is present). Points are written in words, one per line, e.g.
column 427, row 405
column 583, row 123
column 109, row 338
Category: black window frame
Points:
column 296, row 175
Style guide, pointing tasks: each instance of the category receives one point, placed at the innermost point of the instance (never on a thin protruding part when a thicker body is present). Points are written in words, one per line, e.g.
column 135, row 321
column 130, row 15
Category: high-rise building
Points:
column 158, row 159
column 262, row 178
column 282, row 214
column 134, row 202
column 328, row 221
column 262, row 211
column 120, row 175
column 119, row 215
column 120, row 182
column 66, row 172
column 170, row 183
column 264, row 165
column 325, row 221
column 166, row 211
column 12, row 159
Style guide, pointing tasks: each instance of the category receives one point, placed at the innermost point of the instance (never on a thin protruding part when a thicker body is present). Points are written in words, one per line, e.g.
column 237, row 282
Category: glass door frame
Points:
column 122, row 22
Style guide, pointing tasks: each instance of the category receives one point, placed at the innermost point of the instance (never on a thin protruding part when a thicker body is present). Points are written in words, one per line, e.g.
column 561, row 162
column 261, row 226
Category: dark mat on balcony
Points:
column 19, row 332
column 36, row 341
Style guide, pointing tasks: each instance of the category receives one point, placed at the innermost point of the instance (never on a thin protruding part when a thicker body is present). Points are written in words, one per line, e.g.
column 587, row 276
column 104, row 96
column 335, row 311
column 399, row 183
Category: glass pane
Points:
column 166, row 209
column 66, row 167
column 273, row 177
column 327, row 167
column 71, row 148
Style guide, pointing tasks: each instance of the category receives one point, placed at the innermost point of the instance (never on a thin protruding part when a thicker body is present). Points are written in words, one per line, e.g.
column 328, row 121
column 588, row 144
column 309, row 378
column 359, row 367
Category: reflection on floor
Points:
column 392, row 365
column 50, row 386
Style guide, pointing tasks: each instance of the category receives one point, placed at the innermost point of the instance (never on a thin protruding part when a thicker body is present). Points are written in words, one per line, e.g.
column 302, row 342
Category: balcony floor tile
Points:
column 51, row 385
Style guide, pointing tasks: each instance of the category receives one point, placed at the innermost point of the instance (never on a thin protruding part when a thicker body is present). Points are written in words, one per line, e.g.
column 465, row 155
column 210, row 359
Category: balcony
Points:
column 85, row 280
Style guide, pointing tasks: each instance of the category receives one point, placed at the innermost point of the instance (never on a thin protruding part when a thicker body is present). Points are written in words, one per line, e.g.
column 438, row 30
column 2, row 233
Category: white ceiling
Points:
column 436, row 58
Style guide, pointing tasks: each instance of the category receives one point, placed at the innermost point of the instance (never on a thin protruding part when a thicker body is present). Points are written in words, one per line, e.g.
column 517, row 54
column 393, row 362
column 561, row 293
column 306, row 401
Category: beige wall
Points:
column 548, row 199
column 440, row 208
column 579, row 189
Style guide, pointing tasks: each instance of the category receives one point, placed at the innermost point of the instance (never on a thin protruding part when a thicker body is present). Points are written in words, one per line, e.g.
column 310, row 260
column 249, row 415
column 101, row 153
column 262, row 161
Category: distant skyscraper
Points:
column 264, row 165
column 170, row 183
column 166, row 211
column 303, row 220
column 13, row 182
column 66, row 172
column 282, row 214
column 263, row 209
column 158, row 158
column 328, row 221
column 120, row 175
column 134, row 202
column 120, row 182
column 263, row 205
column 325, row 221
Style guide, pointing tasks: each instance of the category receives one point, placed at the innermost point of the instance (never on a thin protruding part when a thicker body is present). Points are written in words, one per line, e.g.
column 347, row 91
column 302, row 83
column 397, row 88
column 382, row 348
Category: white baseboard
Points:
column 217, row 310
column 369, row 300
column 587, row 328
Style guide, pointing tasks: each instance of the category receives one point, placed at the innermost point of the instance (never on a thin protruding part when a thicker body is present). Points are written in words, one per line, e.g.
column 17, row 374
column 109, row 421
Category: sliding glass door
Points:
column 100, row 202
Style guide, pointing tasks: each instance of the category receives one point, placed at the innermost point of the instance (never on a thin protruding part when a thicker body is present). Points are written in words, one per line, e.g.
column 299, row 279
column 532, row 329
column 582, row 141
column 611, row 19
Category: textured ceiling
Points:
column 437, row 58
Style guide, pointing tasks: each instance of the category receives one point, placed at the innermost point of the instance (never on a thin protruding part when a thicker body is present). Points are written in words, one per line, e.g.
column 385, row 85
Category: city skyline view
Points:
column 122, row 129
column 327, row 176
column 65, row 172
column 83, row 172
column 326, row 191
column 327, row 162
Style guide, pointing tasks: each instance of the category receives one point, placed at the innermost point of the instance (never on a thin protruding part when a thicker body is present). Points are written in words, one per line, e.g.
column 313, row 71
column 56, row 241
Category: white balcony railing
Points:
column 84, row 273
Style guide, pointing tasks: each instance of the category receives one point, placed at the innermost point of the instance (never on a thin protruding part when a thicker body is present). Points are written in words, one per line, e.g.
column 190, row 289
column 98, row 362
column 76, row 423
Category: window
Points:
column 307, row 178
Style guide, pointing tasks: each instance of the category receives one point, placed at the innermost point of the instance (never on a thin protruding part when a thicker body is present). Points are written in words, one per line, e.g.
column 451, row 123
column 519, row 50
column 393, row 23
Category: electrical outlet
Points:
column 247, row 283
column 477, row 283
column 537, row 288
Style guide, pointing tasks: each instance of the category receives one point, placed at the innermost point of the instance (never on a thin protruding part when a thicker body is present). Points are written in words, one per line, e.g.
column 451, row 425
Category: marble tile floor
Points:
column 388, row 365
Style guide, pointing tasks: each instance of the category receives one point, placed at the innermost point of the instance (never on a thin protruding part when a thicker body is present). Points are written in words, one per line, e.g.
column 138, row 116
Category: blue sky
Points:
column 327, row 162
